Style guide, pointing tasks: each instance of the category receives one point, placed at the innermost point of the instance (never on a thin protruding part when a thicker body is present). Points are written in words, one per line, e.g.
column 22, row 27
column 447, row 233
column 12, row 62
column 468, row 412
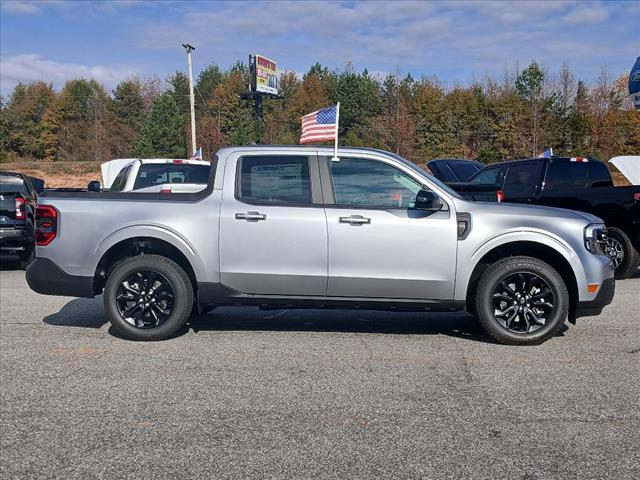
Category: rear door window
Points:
column 522, row 179
column 565, row 175
column 280, row 180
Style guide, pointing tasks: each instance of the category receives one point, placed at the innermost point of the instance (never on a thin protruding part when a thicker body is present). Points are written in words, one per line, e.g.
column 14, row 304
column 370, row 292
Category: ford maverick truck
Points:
column 292, row 227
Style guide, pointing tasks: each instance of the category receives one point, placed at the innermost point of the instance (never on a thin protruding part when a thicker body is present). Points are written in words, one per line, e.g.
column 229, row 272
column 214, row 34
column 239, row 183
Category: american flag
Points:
column 319, row 126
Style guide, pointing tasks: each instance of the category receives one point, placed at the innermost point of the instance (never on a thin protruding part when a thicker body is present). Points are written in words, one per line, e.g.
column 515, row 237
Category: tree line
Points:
column 514, row 117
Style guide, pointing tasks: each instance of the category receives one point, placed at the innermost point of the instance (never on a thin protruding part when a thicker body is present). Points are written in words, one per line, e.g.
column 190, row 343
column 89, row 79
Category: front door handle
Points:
column 251, row 216
column 355, row 220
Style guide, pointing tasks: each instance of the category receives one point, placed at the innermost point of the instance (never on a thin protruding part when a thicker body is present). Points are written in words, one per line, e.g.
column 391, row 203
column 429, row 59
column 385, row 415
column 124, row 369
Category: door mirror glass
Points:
column 94, row 186
column 427, row 200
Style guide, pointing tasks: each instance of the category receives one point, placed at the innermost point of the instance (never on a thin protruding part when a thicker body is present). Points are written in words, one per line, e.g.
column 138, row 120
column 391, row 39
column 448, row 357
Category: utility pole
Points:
column 189, row 49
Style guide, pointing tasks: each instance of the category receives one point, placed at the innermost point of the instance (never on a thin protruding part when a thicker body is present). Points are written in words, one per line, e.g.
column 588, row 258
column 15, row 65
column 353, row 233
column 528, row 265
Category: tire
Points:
column 155, row 313
column 531, row 279
column 626, row 258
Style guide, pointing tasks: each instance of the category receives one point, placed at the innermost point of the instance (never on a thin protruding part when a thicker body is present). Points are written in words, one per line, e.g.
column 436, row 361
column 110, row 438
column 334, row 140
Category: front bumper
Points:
column 45, row 277
column 603, row 298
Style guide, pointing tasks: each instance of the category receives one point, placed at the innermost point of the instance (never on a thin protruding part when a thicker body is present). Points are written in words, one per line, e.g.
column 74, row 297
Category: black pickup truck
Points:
column 18, row 196
column 575, row 183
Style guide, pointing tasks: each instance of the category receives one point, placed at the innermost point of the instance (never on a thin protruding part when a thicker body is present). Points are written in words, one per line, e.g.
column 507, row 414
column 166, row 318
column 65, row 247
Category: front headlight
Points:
column 595, row 238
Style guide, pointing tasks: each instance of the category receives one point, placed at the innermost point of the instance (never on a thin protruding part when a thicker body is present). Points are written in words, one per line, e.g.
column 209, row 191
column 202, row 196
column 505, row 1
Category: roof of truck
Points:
column 310, row 147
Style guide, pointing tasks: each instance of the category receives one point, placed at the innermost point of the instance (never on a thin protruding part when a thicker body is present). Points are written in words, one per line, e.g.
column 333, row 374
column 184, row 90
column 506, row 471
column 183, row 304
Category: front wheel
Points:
column 625, row 258
column 148, row 297
column 521, row 301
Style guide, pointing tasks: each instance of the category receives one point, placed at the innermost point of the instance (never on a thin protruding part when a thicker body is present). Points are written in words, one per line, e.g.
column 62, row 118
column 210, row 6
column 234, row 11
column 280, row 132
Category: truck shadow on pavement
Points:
column 79, row 312
column 89, row 313
column 340, row 321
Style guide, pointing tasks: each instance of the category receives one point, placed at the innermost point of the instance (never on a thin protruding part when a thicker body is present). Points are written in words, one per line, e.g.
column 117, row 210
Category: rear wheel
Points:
column 148, row 297
column 625, row 258
column 521, row 301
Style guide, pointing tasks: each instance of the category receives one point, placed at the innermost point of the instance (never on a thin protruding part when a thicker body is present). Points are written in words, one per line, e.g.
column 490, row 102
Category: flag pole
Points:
column 335, row 144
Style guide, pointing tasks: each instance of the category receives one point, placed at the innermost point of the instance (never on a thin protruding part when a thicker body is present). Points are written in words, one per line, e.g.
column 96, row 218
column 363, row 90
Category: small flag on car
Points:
column 322, row 125
column 547, row 153
column 197, row 155
column 319, row 126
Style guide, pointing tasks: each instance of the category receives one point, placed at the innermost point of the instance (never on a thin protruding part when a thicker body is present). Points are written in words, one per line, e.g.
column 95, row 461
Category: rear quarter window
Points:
column 599, row 175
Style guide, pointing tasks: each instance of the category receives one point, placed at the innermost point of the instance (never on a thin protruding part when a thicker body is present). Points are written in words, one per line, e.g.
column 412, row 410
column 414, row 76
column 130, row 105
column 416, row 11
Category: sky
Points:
column 458, row 41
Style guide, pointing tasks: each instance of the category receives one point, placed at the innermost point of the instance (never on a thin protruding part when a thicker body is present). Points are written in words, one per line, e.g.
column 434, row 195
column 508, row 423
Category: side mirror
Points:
column 427, row 200
column 94, row 186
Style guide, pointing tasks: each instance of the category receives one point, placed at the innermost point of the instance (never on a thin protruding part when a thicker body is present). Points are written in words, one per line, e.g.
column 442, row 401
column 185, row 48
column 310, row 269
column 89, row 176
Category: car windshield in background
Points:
column 424, row 173
column 463, row 169
column 12, row 184
column 151, row 174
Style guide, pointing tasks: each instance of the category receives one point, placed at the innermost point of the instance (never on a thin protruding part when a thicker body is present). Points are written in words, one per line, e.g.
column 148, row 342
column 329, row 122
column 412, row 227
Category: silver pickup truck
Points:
column 291, row 227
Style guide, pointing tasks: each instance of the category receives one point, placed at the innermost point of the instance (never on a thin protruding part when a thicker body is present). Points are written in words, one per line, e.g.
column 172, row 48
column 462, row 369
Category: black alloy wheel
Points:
column 523, row 302
column 145, row 299
column 148, row 297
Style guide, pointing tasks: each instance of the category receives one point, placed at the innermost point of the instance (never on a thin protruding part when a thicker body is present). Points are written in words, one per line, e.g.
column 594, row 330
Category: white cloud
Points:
column 586, row 15
column 32, row 67
column 20, row 7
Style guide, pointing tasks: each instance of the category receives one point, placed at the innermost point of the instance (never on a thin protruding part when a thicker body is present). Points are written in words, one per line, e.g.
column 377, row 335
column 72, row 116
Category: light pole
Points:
column 189, row 49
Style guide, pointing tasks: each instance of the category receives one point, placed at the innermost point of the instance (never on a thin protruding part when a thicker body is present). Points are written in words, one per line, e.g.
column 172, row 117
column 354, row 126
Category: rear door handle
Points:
column 355, row 220
column 251, row 216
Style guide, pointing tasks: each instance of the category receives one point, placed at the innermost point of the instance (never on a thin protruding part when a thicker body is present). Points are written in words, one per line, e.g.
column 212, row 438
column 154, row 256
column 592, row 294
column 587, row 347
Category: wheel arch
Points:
column 555, row 257
column 140, row 242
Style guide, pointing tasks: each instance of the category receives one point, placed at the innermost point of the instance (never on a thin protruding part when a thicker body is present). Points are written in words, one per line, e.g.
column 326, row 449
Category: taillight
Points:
column 46, row 224
column 21, row 208
column 500, row 196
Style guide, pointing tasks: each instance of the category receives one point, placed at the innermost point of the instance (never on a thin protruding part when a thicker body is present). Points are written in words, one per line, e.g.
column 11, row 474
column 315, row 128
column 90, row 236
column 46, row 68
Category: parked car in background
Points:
column 575, row 183
column 288, row 226
column 154, row 175
column 18, row 197
column 453, row 170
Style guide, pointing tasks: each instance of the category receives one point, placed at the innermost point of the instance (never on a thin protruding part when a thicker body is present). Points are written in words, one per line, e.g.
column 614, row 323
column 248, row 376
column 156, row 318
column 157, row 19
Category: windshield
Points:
column 431, row 178
column 151, row 174
column 463, row 169
column 12, row 184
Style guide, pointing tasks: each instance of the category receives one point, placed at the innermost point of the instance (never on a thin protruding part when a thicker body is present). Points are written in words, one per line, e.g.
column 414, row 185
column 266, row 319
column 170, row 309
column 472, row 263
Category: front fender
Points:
column 470, row 255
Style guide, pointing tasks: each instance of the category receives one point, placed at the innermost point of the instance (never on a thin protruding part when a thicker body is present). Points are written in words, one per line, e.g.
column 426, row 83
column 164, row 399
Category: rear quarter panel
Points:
column 87, row 228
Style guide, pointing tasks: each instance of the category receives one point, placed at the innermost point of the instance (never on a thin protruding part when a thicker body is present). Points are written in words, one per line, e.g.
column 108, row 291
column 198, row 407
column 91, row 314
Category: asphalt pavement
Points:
column 311, row 394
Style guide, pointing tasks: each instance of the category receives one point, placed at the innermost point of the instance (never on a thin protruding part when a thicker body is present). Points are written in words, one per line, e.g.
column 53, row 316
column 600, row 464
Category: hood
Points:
column 524, row 211
column 629, row 166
